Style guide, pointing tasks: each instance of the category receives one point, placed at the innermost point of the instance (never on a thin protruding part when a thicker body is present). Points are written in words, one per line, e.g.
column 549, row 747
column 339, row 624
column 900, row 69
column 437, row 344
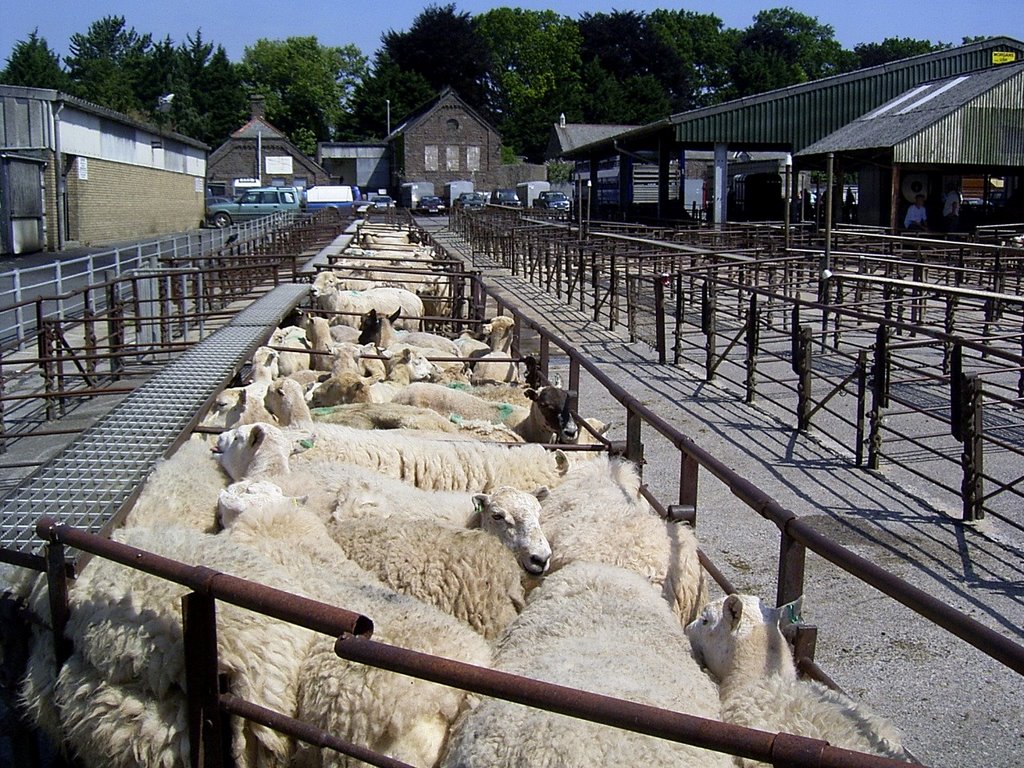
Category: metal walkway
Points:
column 88, row 483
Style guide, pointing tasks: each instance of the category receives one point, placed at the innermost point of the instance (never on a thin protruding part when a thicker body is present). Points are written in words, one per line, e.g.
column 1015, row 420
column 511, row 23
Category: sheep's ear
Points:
column 530, row 393
column 733, row 610
column 406, row 355
column 395, row 315
column 256, row 436
column 542, row 493
column 561, row 461
column 480, row 502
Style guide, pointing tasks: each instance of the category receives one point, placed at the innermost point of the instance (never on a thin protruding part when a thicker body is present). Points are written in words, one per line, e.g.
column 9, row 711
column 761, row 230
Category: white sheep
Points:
column 400, row 716
column 605, row 630
column 162, row 502
column 742, row 642
column 259, row 450
column 547, row 420
column 244, row 405
column 597, row 514
column 120, row 699
column 486, row 368
column 348, row 307
column 402, row 369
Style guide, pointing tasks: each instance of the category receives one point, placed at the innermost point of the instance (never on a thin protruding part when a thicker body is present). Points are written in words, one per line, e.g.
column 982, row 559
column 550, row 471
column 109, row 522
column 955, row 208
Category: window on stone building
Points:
column 453, row 125
column 451, row 158
column 430, row 157
column 472, row 158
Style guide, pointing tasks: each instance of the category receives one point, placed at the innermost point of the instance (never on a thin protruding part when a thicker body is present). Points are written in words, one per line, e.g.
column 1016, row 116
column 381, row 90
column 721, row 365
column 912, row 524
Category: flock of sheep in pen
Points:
column 355, row 470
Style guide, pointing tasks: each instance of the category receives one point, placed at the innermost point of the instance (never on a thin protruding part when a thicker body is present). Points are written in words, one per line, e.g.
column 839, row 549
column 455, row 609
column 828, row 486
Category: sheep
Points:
column 377, row 329
column 547, row 420
column 402, row 369
column 348, row 307
column 499, row 339
column 293, row 337
column 385, row 416
column 405, row 718
column 120, row 699
column 597, row 514
column 244, row 405
column 260, row 450
column 564, row 636
column 162, row 502
column 742, row 642
column 286, row 401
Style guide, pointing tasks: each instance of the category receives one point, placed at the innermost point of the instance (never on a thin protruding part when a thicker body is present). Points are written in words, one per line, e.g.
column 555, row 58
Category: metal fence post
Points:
column 659, row 316
column 57, row 595
column 708, row 326
column 862, row 386
column 879, row 394
column 208, row 740
column 753, row 337
column 792, row 556
column 967, row 426
column 677, row 334
column 802, row 368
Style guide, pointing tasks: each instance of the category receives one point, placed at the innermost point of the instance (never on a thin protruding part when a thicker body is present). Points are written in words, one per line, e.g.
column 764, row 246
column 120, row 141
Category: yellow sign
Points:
column 1003, row 57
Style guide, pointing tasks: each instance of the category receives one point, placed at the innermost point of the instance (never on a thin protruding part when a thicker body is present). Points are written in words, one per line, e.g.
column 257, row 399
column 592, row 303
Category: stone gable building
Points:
column 260, row 155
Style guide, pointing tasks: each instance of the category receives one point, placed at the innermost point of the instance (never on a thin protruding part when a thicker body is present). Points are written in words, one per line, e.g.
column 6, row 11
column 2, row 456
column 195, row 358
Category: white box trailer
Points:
column 453, row 189
column 411, row 192
column 528, row 191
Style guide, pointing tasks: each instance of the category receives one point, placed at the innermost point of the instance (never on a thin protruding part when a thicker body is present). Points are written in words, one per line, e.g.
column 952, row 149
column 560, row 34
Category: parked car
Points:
column 253, row 204
column 381, row 202
column 505, row 197
column 554, row 201
column 431, row 205
column 470, row 201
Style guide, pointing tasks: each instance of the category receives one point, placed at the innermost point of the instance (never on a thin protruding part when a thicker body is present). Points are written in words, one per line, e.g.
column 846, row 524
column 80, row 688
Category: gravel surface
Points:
column 955, row 705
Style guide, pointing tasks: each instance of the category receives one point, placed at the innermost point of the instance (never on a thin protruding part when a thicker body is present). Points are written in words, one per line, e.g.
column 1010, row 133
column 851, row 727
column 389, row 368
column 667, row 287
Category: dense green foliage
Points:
column 520, row 69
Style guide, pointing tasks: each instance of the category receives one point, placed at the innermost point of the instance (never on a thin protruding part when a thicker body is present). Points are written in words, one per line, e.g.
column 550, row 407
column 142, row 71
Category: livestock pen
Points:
column 646, row 437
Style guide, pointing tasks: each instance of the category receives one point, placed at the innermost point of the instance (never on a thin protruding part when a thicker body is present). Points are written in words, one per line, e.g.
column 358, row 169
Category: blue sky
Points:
column 237, row 24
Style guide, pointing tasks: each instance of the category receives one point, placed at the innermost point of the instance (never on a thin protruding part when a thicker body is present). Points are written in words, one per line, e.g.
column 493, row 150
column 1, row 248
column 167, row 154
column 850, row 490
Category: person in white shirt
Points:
column 917, row 217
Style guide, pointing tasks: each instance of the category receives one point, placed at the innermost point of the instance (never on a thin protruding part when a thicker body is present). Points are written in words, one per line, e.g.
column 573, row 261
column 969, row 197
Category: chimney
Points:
column 257, row 107
column 561, row 120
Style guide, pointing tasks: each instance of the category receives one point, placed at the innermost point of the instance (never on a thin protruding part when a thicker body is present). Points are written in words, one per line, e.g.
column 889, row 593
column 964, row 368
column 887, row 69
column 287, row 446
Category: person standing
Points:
column 917, row 217
column 951, row 208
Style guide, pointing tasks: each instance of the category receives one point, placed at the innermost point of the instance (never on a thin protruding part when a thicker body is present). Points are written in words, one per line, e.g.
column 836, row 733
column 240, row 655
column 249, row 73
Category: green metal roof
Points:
column 797, row 116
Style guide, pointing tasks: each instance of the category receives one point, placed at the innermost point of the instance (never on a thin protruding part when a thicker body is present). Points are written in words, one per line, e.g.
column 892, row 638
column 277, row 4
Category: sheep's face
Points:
column 742, row 626
column 325, row 283
column 552, row 404
column 513, row 516
column 237, row 449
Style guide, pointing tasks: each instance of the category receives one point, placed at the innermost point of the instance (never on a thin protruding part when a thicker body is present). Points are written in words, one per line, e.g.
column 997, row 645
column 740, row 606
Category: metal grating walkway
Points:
column 88, row 482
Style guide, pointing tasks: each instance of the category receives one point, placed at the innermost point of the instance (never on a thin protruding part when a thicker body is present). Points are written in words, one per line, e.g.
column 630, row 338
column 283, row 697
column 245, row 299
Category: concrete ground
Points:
column 955, row 705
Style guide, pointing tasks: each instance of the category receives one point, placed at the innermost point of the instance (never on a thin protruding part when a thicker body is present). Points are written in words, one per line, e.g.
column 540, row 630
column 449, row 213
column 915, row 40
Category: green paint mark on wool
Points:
column 459, row 385
column 504, row 411
column 454, row 418
column 306, row 443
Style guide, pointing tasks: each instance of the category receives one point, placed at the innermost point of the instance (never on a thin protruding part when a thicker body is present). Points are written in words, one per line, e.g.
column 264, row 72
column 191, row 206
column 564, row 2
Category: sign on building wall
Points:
column 279, row 165
column 1004, row 57
column 83, row 168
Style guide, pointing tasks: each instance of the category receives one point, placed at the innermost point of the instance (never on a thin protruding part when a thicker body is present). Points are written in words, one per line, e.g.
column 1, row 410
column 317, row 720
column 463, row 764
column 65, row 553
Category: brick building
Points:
column 260, row 155
column 445, row 140
column 76, row 173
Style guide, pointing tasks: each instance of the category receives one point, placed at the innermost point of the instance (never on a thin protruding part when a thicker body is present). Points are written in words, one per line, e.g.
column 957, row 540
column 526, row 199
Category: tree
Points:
column 307, row 85
column 106, row 62
column 34, row 65
column 783, row 47
column 215, row 98
column 445, row 48
column 534, row 77
column 892, row 49
column 386, row 88
column 703, row 54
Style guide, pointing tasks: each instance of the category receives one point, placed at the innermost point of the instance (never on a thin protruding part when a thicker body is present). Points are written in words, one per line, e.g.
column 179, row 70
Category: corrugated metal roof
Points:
column 974, row 118
column 802, row 114
column 795, row 117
